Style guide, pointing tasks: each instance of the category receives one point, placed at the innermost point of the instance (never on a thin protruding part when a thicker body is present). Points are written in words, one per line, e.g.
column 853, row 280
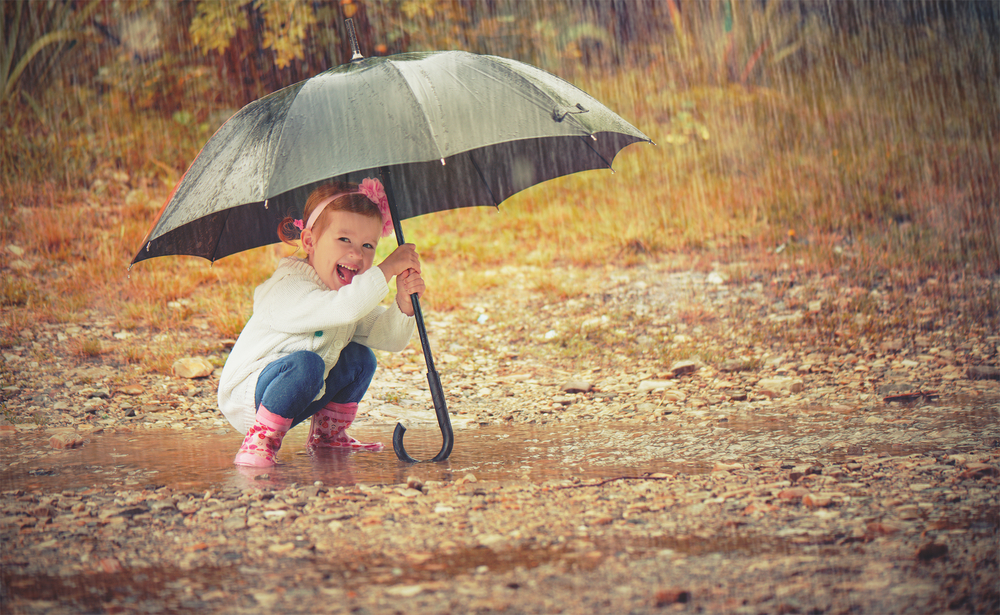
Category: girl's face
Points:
column 344, row 249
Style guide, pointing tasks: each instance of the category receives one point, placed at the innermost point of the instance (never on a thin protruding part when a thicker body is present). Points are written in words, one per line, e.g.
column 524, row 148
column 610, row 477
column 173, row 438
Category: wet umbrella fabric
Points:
column 453, row 129
column 443, row 130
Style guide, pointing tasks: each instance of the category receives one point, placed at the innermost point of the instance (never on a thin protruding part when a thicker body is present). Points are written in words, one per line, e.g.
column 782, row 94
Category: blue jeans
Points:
column 288, row 386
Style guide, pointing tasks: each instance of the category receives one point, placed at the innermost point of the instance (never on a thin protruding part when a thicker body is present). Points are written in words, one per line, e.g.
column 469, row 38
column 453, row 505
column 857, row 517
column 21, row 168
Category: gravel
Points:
column 807, row 445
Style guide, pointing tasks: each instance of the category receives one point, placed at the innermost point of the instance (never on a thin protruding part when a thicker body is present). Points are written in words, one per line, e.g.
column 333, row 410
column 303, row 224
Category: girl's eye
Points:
column 369, row 246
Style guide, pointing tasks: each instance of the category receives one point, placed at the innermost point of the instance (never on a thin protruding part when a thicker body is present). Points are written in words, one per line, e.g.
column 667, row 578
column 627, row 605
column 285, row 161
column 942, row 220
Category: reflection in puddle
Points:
column 201, row 460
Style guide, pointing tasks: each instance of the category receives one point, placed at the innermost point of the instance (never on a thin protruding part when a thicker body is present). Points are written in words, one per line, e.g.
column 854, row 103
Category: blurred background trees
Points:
column 870, row 111
column 157, row 50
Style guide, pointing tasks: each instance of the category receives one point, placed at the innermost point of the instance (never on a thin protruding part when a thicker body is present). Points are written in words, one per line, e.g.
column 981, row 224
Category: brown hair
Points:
column 353, row 202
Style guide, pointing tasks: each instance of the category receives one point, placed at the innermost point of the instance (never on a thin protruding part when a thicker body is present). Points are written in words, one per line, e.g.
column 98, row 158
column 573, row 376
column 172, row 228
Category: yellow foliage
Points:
column 286, row 23
column 413, row 8
column 216, row 23
column 286, row 26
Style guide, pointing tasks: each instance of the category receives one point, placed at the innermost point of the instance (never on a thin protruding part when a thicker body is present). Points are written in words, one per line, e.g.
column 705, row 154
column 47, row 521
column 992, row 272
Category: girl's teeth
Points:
column 345, row 274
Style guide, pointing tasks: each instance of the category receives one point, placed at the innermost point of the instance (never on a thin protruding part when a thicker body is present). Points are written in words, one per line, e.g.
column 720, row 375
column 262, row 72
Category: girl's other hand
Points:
column 408, row 283
column 403, row 258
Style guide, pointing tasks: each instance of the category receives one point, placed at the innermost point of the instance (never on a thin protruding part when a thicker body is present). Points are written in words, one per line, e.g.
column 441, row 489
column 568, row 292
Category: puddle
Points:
column 202, row 460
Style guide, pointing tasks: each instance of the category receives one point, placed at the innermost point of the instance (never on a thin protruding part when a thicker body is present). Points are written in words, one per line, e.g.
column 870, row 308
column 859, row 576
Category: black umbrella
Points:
column 444, row 130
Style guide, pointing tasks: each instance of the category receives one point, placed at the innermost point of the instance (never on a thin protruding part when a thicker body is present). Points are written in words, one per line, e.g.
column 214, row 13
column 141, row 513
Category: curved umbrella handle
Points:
column 437, row 396
column 444, row 422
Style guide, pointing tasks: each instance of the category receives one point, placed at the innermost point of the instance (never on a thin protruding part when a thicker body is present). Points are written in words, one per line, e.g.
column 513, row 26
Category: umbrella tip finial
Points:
column 353, row 35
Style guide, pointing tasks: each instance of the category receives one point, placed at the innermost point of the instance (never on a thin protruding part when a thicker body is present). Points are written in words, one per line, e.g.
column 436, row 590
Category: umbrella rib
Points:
column 599, row 154
column 482, row 176
column 218, row 239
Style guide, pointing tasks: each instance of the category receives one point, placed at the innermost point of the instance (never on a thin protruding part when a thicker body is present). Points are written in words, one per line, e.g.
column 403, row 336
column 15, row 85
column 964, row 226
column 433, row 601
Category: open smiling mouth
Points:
column 345, row 273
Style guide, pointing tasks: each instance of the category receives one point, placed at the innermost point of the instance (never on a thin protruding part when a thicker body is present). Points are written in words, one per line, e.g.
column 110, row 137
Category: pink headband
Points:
column 371, row 188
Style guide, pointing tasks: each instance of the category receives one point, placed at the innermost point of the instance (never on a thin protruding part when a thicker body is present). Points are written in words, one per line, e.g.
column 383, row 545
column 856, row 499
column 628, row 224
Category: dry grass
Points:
column 886, row 166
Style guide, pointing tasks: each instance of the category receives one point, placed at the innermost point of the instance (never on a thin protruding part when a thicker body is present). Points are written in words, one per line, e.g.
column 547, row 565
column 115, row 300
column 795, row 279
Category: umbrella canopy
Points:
column 453, row 129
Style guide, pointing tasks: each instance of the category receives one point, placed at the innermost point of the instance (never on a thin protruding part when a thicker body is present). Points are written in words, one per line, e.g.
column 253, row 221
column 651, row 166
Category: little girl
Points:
column 306, row 350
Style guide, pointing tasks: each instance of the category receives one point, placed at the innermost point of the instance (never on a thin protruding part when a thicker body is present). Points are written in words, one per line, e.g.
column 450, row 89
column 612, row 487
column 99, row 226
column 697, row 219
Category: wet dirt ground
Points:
column 529, row 519
column 790, row 485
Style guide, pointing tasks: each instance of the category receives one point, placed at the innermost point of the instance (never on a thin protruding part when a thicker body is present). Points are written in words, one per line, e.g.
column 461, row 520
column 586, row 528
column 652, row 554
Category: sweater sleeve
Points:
column 386, row 329
column 294, row 300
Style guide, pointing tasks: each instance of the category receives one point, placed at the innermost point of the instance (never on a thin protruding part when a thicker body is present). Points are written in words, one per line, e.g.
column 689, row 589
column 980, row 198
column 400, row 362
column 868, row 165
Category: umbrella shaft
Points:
column 433, row 380
column 422, row 332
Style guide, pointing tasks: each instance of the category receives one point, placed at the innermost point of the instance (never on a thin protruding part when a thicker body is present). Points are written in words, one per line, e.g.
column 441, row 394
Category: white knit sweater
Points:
column 294, row 310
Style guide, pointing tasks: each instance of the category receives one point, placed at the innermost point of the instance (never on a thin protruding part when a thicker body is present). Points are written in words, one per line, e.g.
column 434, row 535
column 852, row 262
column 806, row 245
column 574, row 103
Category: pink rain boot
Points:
column 261, row 444
column 329, row 429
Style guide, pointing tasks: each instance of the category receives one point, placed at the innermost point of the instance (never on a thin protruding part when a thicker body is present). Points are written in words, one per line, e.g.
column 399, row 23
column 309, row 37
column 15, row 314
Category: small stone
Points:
column 727, row 467
column 491, row 540
column 982, row 372
column 282, row 548
column 110, row 565
column 192, row 367
column 265, row 600
column 816, row 501
column 882, row 528
column 772, row 387
column 674, row 396
column 978, row 470
column 793, row 493
column 734, row 365
column 681, row 368
column 234, row 523
column 577, row 386
column 66, row 440
column 671, row 596
column 653, row 385
column 932, row 550
column 892, row 345
column 646, row 408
